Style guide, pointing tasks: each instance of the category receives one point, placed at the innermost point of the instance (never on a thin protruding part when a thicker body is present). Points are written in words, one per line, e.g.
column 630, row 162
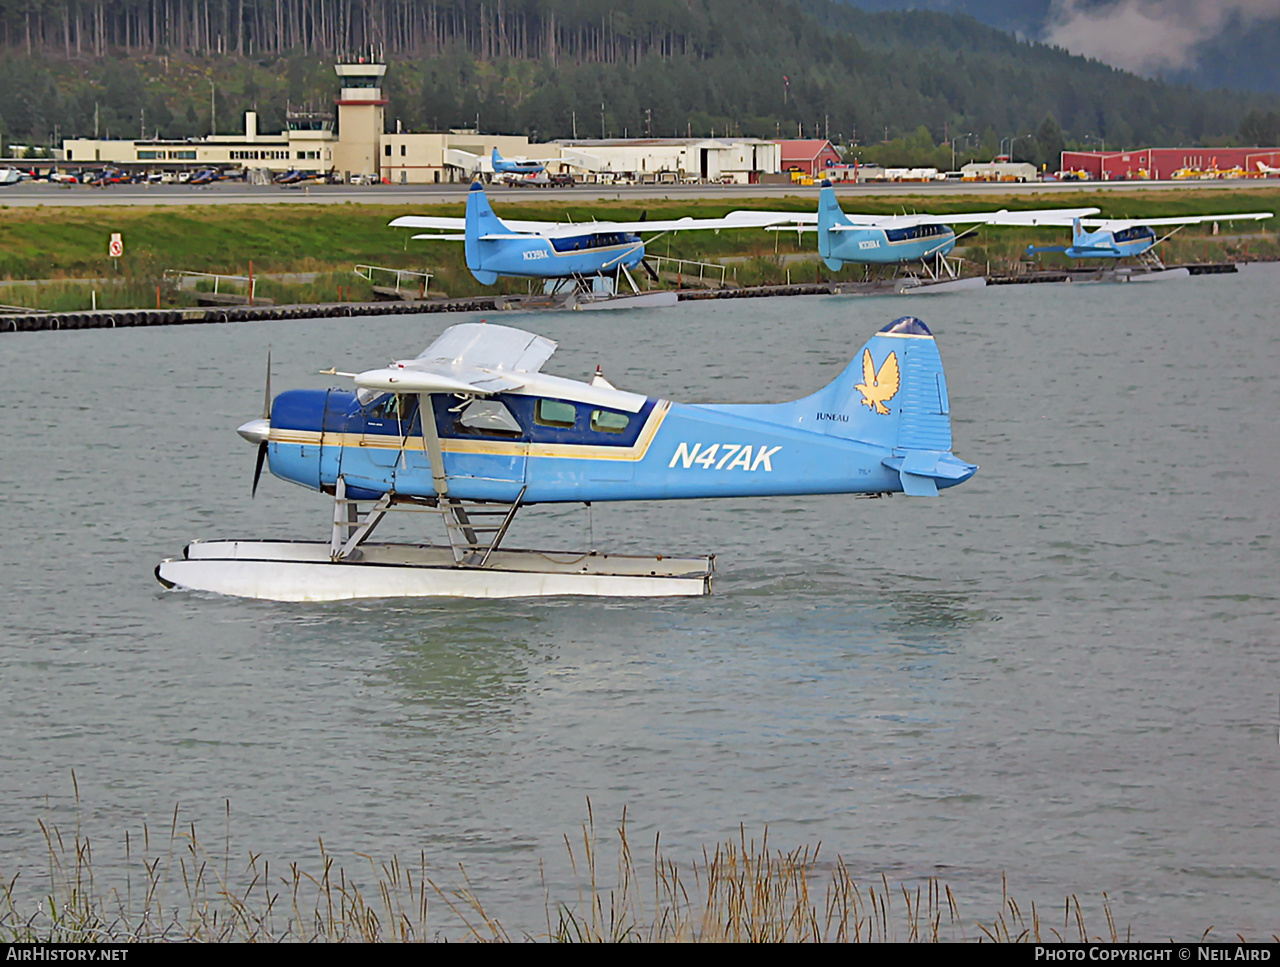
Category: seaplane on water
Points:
column 472, row 431
column 895, row 239
column 1118, row 238
column 568, row 257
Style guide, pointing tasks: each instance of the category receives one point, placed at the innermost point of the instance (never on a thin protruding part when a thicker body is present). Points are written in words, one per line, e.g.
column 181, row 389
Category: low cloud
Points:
column 1148, row 36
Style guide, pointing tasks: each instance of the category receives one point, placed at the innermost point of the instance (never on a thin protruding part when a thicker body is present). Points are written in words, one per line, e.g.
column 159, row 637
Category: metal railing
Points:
column 189, row 280
column 688, row 268
column 366, row 272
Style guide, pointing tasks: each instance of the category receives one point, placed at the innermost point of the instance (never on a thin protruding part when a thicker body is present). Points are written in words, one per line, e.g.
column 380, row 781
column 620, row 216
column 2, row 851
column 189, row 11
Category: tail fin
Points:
column 892, row 395
column 496, row 159
column 829, row 213
column 481, row 221
column 1077, row 238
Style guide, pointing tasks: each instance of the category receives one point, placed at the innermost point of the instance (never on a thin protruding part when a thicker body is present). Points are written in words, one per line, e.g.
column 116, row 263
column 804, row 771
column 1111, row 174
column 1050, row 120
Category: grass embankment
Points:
column 63, row 244
column 739, row 891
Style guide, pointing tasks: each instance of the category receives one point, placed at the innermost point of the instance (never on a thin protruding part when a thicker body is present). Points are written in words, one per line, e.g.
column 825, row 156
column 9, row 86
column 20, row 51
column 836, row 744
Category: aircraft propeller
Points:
column 262, row 444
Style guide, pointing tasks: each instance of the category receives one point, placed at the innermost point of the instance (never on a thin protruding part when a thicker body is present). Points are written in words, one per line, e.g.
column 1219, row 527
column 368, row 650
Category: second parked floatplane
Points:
column 472, row 431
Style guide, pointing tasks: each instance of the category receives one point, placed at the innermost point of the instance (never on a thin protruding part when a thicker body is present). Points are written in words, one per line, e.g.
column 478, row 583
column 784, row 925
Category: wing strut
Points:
column 431, row 443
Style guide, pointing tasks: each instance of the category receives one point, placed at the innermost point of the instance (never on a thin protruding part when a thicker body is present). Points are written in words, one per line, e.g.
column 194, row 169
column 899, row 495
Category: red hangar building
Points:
column 1159, row 164
column 810, row 155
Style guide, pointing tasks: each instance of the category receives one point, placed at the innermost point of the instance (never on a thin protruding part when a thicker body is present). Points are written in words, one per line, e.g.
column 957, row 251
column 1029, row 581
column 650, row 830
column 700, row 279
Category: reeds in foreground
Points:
column 740, row 890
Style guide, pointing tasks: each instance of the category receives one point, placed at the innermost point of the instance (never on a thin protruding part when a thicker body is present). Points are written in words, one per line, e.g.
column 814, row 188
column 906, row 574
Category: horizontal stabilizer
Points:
column 914, row 485
column 922, row 470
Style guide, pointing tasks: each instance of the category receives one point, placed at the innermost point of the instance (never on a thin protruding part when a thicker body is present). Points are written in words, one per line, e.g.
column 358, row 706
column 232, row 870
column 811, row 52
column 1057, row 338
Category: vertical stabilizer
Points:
column 829, row 214
column 481, row 221
column 892, row 395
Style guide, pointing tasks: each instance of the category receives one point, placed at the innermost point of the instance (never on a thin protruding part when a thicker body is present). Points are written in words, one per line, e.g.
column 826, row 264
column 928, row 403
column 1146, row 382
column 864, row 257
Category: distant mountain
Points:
column 1027, row 18
column 1210, row 44
column 554, row 68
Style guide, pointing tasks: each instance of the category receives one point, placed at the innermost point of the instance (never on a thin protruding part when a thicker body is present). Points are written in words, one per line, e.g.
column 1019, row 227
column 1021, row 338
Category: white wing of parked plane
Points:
column 1120, row 224
column 807, row 221
column 571, row 229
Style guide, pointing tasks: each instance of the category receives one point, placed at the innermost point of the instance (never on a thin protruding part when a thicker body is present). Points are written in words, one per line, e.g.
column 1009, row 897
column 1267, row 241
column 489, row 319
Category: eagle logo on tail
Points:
column 877, row 388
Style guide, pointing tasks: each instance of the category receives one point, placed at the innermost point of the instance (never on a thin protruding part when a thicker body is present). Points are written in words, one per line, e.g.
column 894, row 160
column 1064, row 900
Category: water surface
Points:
column 1063, row 670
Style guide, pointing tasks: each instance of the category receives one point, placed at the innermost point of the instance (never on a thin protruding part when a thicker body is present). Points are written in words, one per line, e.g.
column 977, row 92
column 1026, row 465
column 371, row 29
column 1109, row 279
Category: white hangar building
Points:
column 739, row 161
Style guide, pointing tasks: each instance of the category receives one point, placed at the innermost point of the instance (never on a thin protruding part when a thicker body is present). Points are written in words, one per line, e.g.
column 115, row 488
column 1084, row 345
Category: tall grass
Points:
column 68, row 246
column 740, row 890
column 55, row 242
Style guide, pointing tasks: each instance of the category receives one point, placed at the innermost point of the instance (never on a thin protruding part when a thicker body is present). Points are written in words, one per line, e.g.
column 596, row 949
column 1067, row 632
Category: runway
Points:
column 33, row 194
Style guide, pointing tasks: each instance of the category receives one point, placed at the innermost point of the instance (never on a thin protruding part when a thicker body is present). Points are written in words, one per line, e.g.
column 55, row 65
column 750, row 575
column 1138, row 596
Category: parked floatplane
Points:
column 584, row 265
column 500, row 435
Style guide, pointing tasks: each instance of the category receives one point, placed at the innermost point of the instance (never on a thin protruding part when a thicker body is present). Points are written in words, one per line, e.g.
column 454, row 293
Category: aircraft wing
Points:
column 467, row 358
column 1028, row 219
column 1119, row 224
column 523, row 229
column 493, row 347
column 802, row 221
column 453, row 224
column 659, row 225
column 760, row 219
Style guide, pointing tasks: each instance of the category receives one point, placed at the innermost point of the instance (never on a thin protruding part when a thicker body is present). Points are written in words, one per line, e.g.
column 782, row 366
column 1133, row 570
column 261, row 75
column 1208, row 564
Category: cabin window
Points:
column 488, row 416
column 393, row 408
column 555, row 413
column 607, row 421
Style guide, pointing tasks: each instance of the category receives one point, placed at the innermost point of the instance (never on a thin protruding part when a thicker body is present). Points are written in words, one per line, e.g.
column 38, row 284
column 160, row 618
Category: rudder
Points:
column 481, row 220
column 892, row 395
column 829, row 214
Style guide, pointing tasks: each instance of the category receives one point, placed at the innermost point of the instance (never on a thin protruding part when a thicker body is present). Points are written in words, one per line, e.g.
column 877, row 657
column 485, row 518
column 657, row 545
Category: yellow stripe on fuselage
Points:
column 487, row 447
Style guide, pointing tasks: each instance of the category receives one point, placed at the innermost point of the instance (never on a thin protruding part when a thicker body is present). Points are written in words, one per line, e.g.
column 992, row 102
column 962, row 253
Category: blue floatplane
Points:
column 472, row 431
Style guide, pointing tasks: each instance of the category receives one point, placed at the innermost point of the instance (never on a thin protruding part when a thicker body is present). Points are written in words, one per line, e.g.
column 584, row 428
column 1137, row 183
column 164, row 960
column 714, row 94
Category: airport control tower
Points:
column 361, row 119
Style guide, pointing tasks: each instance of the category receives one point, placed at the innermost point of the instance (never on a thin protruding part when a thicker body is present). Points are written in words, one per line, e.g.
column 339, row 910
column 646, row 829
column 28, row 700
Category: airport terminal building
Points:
column 354, row 146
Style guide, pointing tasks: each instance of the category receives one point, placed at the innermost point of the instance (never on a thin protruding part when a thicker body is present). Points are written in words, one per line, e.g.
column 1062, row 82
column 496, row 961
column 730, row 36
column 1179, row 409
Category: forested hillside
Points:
column 556, row 68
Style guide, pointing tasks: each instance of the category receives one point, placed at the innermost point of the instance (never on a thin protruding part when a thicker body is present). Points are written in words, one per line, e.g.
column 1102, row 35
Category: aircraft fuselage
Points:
column 537, row 257
column 562, row 450
column 1111, row 245
column 890, row 246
